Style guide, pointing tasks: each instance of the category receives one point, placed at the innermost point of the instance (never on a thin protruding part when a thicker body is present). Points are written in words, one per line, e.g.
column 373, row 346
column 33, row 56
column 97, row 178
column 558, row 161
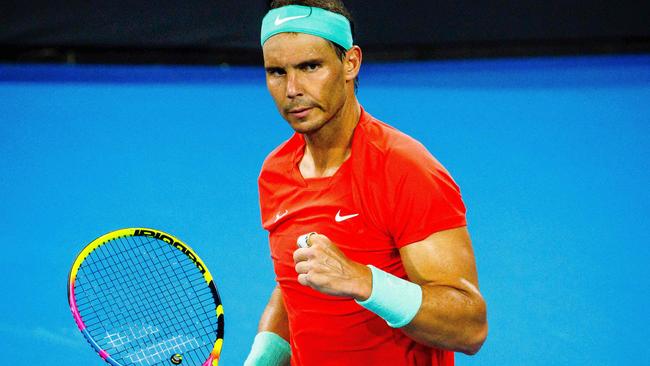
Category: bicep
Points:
column 444, row 258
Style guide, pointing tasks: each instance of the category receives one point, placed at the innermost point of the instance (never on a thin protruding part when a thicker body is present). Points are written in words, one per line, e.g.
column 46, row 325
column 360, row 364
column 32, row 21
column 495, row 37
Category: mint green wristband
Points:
column 269, row 349
column 394, row 299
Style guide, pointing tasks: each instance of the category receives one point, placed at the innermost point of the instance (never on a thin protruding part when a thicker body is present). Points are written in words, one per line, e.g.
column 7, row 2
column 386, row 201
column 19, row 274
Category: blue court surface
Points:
column 552, row 156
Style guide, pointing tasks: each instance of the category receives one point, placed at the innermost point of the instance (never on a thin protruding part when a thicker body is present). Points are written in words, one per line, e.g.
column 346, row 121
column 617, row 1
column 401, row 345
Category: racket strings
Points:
column 142, row 311
column 161, row 308
column 150, row 354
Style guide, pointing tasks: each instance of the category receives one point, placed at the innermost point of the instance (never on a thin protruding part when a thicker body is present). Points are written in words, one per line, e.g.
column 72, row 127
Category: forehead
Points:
column 293, row 47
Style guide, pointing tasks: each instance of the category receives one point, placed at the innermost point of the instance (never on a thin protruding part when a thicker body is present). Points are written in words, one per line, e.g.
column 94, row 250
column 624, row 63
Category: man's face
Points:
column 305, row 78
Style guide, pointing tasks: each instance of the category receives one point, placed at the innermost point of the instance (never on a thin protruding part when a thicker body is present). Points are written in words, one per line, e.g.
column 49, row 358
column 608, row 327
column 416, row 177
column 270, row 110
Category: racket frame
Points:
column 213, row 359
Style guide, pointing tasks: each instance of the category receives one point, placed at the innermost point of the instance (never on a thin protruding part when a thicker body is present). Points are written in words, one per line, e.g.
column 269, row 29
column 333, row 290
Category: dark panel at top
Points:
column 433, row 22
column 123, row 23
column 213, row 31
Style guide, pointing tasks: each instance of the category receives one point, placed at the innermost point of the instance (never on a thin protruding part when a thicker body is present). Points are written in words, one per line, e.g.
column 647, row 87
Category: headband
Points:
column 310, row 20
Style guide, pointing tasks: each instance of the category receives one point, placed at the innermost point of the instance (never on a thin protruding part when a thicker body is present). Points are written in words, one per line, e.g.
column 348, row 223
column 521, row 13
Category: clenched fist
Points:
column 323, row 267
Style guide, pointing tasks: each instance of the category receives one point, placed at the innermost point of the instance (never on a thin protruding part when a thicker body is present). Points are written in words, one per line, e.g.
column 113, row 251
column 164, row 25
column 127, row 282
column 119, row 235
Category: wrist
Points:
column 363, row 286
column 394, row 299
column 269, row 349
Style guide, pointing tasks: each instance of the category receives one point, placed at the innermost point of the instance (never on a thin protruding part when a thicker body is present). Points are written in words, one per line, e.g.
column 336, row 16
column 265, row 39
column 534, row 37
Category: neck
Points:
column 327, row 148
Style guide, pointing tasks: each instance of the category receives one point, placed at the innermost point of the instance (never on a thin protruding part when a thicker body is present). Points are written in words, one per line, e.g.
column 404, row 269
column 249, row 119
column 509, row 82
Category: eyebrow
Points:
column 309, row 62
column 273, row 68
column 302, row 64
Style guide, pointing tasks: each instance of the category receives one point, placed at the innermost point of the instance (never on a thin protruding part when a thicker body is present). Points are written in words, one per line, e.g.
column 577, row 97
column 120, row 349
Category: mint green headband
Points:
column 310, row 20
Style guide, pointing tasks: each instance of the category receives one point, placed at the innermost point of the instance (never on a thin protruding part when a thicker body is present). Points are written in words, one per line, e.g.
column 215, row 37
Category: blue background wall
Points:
column 552, row 156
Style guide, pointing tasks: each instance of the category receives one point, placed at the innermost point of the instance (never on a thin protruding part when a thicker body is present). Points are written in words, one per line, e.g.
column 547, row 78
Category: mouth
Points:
column 300, row 112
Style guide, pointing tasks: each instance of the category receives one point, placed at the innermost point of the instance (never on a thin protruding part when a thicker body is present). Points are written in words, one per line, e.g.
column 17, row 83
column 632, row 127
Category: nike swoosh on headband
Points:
column 279, row 20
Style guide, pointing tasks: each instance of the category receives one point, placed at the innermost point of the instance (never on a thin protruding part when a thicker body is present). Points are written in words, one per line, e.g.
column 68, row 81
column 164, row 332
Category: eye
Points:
column 275, row 72
column 311, row 67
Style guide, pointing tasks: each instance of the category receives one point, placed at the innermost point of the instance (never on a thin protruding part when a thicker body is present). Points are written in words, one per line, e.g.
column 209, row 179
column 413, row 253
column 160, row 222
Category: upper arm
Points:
column 443, row 258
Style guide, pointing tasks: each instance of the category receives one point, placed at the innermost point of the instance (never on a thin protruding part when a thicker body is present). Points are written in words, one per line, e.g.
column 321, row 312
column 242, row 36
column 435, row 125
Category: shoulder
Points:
column 394, row 148
column 401, row 180
column 281, row 157
column 399, row 160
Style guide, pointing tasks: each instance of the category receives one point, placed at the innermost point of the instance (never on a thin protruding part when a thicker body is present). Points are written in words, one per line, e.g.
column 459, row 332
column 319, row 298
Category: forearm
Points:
column 274, row 318
column 451, row 318
column 441, row 316
column 437, row 307
column 271, row 346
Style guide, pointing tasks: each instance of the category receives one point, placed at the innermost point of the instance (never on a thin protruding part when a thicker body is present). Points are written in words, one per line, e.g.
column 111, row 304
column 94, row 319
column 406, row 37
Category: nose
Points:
column 294, row 88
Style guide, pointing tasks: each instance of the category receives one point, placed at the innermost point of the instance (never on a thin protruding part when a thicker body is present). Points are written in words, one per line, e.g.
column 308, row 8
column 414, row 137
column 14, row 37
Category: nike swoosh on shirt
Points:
column 279, row 20
column 339, row 218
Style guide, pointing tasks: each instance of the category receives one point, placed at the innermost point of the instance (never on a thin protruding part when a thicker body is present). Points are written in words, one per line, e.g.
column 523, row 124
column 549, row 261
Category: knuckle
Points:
column 301, row 267
column 299, row 255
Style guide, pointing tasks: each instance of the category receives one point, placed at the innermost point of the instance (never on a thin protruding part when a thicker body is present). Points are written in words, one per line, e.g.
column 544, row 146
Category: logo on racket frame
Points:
column 172, row 242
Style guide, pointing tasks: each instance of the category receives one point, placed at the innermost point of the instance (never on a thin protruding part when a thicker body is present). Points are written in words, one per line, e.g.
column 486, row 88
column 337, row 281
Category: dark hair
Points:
column 335, row 6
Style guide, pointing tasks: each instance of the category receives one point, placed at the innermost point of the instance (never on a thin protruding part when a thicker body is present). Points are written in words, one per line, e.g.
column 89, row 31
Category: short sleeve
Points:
column 422, row 197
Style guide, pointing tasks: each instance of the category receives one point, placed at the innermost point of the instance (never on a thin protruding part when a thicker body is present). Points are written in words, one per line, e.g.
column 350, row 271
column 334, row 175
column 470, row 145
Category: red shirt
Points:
column 389, row 193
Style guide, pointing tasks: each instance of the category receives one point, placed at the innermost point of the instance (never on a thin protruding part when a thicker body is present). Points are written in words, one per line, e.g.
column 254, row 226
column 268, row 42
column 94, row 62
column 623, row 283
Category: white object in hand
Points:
column 303, row 240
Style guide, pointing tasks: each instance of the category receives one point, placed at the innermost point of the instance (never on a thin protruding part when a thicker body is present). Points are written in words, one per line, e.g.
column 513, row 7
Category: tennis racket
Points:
column 143, row 297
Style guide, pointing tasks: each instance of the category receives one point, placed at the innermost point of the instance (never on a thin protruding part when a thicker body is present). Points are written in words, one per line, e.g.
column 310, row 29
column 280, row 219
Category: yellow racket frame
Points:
column 213, row 360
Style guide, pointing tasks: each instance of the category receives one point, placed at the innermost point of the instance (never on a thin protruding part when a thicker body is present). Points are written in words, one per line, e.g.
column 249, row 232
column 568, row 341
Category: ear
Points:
column 352, row 65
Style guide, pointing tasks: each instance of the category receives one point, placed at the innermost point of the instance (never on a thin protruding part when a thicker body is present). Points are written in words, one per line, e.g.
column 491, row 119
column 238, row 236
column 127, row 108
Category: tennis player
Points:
column 367, row 230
